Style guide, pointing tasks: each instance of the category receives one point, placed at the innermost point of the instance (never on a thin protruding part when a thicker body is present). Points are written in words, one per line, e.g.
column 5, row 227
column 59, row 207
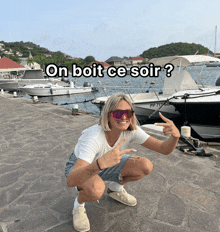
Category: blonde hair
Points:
column 110, row 105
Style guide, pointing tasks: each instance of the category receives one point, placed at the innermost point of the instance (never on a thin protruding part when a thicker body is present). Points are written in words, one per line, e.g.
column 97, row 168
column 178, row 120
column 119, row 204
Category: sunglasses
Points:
column 118, row 114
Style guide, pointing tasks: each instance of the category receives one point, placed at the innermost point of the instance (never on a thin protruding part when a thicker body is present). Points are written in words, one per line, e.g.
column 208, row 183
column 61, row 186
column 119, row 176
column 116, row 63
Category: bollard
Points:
column 75, row 109
column 35, row 99
column 186, row 131
column 15, row 94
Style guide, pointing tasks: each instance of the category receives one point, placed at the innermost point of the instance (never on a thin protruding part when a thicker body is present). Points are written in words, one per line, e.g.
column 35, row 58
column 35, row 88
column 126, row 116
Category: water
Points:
column 129, row 84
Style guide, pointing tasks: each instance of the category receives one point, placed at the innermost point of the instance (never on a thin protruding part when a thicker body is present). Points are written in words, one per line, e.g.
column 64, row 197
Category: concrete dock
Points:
column 182, row 194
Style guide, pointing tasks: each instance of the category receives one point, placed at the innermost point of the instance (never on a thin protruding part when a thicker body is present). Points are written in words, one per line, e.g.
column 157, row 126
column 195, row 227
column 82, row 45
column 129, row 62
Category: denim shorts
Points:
column 108, row 174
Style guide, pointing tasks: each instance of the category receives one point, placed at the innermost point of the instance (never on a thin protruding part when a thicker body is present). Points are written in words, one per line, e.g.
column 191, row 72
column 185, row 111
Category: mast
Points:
column 215, row 40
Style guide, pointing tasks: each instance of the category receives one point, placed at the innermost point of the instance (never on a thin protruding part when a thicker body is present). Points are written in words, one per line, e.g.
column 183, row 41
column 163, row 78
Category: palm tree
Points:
column 30, row 62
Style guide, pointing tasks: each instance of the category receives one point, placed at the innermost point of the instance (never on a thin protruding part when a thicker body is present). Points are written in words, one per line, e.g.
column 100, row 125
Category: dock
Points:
column 182, row 193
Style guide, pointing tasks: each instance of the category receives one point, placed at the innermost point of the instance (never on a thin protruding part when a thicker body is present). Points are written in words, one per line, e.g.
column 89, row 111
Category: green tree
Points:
column 89, row 59
column 30, row 61
column 41, row 60
column 173, row 49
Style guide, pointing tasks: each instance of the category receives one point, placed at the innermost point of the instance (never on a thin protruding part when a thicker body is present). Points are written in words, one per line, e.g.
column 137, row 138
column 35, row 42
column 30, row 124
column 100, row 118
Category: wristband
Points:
column 98, row 165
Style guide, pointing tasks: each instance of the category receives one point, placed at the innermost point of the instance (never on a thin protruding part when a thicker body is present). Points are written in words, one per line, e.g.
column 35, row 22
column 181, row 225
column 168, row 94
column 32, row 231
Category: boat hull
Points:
column 150, row 111
column 207, row 113
column 213, row 65
column 45, row 92
column 16, row 84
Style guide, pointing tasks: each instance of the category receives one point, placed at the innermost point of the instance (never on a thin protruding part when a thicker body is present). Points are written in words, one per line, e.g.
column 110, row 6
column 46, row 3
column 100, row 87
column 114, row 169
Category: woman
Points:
column 103, row 153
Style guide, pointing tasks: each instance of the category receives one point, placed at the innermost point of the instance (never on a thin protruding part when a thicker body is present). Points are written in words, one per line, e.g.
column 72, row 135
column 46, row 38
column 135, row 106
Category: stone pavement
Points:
column 182, row 194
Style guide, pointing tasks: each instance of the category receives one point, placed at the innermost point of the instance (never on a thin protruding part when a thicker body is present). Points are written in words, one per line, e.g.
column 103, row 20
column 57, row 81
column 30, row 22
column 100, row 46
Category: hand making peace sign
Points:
column 169, row 127
column 113, row 157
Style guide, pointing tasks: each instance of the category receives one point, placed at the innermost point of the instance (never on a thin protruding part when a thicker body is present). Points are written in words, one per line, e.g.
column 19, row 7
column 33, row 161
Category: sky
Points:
column 109, row 28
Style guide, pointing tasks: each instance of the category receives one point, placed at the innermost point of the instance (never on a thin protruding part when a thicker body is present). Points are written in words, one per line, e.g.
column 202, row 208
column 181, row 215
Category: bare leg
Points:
column 91, row 190
column 135, row 168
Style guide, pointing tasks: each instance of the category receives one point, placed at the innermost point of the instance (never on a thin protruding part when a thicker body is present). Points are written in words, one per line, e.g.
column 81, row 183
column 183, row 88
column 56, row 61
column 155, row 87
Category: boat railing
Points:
column 133, row 92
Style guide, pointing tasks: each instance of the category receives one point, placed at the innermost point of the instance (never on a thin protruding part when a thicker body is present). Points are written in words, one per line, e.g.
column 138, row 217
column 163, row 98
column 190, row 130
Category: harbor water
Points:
column 107, row 86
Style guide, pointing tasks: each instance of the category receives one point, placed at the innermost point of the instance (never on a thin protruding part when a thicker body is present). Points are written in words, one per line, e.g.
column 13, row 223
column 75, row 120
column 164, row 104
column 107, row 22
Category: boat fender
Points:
column 51, row 90
column 218, row 82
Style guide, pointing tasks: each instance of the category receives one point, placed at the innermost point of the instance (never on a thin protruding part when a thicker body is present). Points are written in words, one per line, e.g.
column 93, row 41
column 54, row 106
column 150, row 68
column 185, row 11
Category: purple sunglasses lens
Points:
column 119, row 113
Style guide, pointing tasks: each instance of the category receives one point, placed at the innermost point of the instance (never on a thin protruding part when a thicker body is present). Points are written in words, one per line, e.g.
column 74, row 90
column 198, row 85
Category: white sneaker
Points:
column 80, row 219
column 123, row 197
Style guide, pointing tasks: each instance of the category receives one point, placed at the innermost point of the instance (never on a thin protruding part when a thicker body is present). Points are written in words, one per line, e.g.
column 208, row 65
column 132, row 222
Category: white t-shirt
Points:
column 92, row 144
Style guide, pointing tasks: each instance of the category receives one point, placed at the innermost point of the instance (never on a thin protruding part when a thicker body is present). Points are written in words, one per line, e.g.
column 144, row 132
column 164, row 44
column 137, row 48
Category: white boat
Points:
column 148, row 105
column 30, row 76
column 201, row 110
column 198, row 106
column 214, row 64
column 44, row 90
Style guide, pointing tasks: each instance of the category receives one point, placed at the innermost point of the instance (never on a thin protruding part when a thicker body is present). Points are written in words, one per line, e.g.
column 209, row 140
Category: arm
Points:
column 167, row 146
column 83, row 171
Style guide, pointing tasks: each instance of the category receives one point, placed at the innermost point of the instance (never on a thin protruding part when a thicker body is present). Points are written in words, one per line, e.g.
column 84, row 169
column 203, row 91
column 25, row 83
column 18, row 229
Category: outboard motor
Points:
column 87, row 84
column 217, row 83
column 65, row 79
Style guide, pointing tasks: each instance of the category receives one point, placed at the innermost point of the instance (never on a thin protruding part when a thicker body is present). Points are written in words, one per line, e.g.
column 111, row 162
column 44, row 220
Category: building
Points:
column 19, row 54
column 213, row 54
column 7, row 65
column 138, row 60
column 114, row 61
column 104, row 64
column 27, row 65
column 127, row 62
column 1, row 47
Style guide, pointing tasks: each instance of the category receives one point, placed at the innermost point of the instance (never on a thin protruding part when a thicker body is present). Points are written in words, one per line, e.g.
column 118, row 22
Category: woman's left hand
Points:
column 169, row 127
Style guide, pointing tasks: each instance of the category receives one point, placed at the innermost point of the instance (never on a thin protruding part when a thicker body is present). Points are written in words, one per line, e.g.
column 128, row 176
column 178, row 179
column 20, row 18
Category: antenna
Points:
column 215, row 40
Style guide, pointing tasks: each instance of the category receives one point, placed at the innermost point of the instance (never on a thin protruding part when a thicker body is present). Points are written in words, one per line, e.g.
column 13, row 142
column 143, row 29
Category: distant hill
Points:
column 173, row 49
column 43, row 56
column 21, row 49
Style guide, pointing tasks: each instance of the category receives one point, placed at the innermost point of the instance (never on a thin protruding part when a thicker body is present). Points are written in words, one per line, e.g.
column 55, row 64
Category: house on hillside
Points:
column 138, row 60
column 104, row 64
column 75, row 58
column 114, row 61
column 1, row 47
column 127, row 62
column 10, row 52
column 19, row 54
column 213, row 54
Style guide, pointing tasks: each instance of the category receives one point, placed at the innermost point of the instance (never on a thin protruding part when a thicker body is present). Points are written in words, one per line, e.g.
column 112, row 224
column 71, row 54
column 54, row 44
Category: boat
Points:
column 214, row 64
column 45, row 90
column 148, row 105
column 28, row 77
column 200, row 109
column 198, row 106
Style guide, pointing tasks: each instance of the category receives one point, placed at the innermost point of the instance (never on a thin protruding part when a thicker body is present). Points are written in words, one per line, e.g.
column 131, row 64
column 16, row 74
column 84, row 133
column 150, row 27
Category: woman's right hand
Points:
column 113, row 157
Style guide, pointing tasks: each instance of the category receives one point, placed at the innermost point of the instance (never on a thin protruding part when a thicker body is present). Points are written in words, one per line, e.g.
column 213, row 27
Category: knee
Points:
column 147, row 166
column 96, row 190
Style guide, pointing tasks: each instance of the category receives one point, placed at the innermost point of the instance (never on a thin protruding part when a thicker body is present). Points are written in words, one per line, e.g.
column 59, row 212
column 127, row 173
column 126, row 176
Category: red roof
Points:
column 6, row 63
column 104, row 64
column 137, row 58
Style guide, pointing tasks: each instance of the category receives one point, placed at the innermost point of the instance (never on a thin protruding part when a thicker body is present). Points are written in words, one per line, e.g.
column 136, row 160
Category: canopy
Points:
column 8, row 65
column 183, row 61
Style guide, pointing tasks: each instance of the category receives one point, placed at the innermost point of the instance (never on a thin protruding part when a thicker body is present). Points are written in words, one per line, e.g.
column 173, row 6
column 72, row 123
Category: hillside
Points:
column 175, row 49
column 14, row 50
column 43, row 56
